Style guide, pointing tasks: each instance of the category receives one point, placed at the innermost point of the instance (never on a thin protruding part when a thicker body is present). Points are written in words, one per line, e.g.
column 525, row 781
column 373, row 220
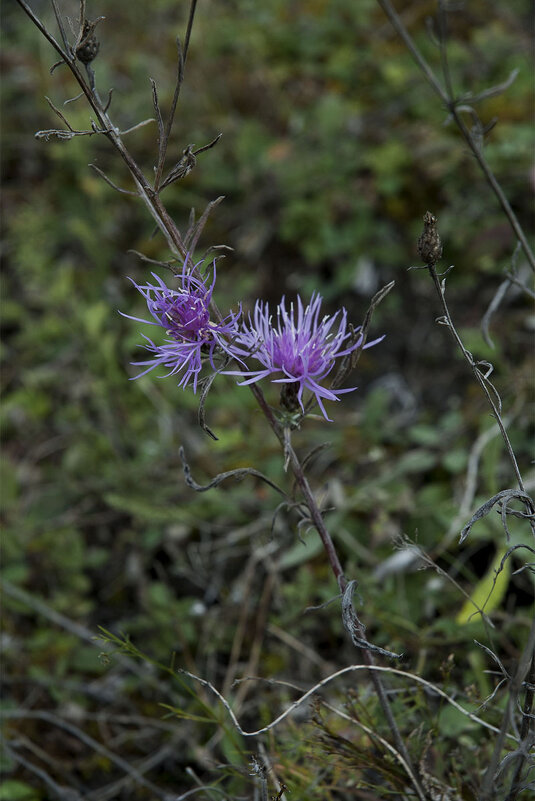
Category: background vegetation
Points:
column 333, row 147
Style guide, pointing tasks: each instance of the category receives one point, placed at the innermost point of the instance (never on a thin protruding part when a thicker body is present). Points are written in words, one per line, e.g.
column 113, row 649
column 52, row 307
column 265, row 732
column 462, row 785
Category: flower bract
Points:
column 298, row 347
column 184, row 314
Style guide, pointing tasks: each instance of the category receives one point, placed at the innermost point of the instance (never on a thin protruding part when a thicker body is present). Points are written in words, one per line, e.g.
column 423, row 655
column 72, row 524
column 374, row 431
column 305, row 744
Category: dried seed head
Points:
column 429, row 244
column 89, row 45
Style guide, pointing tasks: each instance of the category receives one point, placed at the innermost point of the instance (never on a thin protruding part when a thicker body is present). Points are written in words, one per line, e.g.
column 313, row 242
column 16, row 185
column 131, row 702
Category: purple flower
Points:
column 301, row 347
column 184, row 313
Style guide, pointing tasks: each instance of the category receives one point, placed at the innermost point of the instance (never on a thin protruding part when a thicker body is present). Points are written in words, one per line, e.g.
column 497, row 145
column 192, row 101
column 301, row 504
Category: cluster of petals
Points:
column 184, row 313
column 299, row 347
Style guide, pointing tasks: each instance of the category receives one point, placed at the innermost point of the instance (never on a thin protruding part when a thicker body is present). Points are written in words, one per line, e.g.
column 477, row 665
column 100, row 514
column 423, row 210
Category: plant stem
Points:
column 477, row 373
column 336, row 567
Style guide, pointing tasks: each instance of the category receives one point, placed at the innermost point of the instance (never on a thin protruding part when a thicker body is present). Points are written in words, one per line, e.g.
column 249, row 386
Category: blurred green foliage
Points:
column 333, row 147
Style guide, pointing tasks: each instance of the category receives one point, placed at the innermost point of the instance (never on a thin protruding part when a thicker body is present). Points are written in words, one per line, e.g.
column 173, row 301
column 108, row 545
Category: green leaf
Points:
column 488, row 593
column 17, row 791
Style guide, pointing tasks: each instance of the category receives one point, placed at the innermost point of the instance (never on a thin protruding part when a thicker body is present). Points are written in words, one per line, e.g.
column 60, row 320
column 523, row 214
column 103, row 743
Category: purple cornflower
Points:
column 303, row 349
column 184, row 313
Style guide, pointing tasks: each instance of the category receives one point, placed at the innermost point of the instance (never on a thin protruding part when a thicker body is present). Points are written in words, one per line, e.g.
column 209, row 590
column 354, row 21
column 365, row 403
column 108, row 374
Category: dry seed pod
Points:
column 89, row 45
column 429, row 244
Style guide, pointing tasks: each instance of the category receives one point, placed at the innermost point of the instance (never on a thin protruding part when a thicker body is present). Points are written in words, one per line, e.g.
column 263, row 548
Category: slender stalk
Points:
column 338, row 572
column 317, row 519
column 61, row 26
column 336, row 567
column 451, row 104
column 477, row 374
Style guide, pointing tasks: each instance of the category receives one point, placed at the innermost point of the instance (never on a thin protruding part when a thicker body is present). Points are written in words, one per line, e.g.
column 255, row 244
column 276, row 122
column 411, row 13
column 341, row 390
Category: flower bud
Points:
column 429, row 244
column 89, row 45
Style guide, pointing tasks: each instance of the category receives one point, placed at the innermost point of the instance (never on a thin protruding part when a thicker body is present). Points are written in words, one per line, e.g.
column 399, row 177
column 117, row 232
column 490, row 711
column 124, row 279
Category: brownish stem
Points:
column 336, row 567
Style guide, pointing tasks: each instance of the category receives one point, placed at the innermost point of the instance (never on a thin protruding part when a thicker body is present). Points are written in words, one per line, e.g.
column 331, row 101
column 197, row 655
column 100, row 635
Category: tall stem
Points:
column 336, row 567
column 477, row 374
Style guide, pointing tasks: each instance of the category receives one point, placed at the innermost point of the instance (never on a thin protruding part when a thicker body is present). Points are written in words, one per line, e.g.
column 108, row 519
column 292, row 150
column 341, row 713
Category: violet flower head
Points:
column 300, row 346
column 184, row 313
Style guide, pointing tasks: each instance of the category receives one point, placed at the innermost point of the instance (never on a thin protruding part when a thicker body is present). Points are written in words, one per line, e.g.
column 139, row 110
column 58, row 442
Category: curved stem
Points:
column 467, row 355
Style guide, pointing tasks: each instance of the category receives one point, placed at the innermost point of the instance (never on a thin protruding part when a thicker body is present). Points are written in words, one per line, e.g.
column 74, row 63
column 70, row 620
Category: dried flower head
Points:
column 184, row 313
column 303, row 347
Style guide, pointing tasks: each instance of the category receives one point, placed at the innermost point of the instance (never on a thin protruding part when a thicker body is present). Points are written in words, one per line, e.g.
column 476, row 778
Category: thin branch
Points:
column 166, row 132
column 159, row 120
column 206, row 387
column 108, row 101
column 56, row 110
column 350, row 362
column 187, row 162
column 137, row 126
column 238, row 474
column 110, row 182
column 72, row 99
column 514, row 280
column 181, row 61
column 61, row 27
column 82, row 14
column 494, row 90
column 430, row 250
column 193, row 233
column 167, row 264
column 440, row 288
column 191, row 17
